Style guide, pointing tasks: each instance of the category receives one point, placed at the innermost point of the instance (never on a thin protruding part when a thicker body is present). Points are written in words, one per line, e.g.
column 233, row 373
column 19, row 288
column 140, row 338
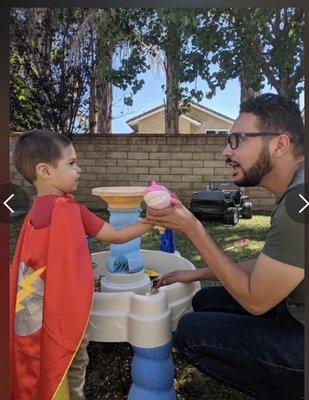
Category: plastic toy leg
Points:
column 125, row 257
column 152, row 374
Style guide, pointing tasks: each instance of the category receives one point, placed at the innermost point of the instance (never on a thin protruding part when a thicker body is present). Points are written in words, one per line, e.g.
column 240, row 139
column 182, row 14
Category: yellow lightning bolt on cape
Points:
column 27, row 288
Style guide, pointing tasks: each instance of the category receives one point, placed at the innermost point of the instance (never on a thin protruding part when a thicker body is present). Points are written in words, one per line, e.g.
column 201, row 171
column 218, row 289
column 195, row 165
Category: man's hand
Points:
column 184, row 276
column 176, row 217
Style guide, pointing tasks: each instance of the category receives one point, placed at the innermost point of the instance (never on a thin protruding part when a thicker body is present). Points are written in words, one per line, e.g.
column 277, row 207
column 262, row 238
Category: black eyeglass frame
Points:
column 238, row 135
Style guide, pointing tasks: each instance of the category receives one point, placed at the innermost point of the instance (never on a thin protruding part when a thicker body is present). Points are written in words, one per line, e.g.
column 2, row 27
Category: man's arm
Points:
column 257, row 287
column 200, row 274
column 269, row 283
column 110, row 234
column 247, row 265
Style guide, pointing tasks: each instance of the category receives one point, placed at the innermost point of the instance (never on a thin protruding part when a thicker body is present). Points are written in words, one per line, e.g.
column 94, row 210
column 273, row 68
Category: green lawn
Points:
column 108, row 373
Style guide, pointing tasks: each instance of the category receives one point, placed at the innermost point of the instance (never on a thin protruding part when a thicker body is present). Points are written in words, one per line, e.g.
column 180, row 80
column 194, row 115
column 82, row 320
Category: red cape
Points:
column 51, row 290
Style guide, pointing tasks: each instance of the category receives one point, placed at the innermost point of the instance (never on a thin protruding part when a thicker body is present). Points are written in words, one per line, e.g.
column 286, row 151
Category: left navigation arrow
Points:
column 6, row 201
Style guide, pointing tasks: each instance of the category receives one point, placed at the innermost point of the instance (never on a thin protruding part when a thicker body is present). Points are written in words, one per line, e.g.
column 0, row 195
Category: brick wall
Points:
column 182, row 163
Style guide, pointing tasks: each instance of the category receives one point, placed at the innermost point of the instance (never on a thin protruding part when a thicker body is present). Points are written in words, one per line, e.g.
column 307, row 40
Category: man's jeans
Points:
column 262, row 356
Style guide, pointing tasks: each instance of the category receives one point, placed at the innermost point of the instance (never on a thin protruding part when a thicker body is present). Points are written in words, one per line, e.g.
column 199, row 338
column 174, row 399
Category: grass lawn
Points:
column 108, row 373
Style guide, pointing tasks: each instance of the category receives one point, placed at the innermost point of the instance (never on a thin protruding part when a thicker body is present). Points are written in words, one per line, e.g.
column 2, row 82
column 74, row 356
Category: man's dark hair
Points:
column 277, row 113
column 38, row 146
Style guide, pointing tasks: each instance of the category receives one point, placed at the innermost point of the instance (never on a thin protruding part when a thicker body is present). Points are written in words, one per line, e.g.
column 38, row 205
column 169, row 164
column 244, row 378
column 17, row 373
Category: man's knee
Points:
column 213, row 298
column 198, row 299
column 183, row 330
column 208, row 297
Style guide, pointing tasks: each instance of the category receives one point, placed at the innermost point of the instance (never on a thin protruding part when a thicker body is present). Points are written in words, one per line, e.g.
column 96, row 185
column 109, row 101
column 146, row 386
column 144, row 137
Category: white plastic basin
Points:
column 143, row 320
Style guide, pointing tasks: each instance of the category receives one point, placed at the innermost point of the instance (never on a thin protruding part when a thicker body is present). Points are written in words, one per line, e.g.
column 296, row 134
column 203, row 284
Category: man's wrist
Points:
column 194, row 228
column 204, row 274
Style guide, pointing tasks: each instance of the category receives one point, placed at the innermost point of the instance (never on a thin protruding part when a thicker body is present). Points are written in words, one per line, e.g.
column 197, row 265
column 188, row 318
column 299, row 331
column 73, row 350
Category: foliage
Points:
column 51, row 89
column 276, row 35
column 142, row 38
column 47, row 88
column 117, row 30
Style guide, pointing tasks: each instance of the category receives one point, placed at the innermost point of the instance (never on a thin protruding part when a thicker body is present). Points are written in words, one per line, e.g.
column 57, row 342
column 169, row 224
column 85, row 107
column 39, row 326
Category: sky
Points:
column 225, row 101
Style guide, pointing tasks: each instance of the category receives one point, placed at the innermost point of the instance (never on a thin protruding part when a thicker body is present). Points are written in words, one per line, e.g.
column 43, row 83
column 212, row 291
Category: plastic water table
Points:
column 128, row 310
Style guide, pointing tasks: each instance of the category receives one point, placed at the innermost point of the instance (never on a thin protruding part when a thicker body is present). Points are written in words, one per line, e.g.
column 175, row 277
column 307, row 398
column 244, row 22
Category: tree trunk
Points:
column 42, row 61
column 172, row 84
column 104, row 93
column 42, row 18
column 245, row 90
column 92, row 89
column 104, row 107
column 172, row 105
column 92, row 105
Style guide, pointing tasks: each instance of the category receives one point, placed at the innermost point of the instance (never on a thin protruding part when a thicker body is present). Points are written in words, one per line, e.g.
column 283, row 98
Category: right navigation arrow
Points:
column 306, row 201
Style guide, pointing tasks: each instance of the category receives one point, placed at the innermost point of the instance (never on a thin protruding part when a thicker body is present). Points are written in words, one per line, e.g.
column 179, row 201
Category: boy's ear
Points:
column 43, row 170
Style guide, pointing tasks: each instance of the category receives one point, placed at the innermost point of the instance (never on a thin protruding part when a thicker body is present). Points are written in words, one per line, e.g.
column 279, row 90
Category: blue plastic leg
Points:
column 152, row 374
column 125, row 257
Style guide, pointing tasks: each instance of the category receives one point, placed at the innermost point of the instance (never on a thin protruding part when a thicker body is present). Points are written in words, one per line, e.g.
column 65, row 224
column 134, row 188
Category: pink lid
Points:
column 159, row 188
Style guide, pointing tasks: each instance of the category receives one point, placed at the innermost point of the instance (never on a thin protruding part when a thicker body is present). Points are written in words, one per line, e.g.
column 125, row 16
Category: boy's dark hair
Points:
column 277, row 113
column 38, row 146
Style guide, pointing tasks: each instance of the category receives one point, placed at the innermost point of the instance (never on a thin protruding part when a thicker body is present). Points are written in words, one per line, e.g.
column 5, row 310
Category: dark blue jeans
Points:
column 262, row 356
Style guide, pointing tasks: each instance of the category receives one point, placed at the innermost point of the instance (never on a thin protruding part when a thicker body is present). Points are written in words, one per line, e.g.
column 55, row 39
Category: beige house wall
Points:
column 183, row 163
column 208, row 121
column 152, row 123
column 184, row 125
column 155, row 123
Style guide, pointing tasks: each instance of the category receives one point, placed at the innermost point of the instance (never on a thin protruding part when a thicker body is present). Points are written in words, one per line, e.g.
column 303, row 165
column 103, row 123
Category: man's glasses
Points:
column 233, row 138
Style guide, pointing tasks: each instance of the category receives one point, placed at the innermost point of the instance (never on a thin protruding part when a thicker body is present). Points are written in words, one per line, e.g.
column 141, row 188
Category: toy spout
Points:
column 129, row 263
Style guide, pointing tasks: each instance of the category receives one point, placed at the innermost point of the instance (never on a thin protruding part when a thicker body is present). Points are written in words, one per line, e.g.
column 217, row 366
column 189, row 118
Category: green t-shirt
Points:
column 285, row 242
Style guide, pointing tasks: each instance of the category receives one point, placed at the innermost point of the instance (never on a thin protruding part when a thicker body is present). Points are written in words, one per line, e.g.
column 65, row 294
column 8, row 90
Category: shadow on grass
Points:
column 108, row 376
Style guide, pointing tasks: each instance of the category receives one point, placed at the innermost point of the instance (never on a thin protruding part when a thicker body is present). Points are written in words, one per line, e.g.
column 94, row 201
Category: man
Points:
column 249, row 333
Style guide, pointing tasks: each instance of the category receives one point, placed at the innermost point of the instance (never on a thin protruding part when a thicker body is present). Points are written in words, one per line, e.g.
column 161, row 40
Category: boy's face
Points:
column 65, row 176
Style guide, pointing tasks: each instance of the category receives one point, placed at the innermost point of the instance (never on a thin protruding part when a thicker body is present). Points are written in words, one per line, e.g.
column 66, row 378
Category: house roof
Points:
column 132, row 122
column 212, row 112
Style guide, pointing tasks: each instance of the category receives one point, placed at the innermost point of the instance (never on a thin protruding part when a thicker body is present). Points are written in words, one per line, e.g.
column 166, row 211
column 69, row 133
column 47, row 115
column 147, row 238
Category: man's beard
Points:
column 254, row 175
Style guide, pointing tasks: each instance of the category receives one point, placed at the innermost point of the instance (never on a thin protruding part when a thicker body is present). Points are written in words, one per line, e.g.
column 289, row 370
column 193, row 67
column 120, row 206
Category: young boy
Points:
column 51, row 274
